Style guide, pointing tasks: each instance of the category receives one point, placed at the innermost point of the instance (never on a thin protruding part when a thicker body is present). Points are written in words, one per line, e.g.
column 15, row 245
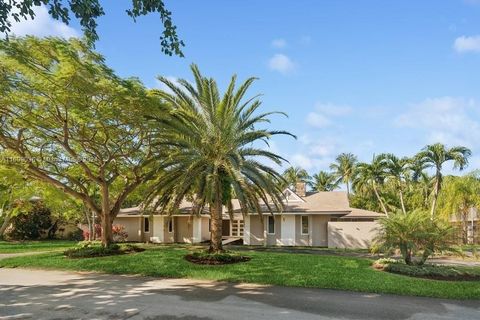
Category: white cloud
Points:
column 281, row 63
column 465, row 44
column 43, row 25
column 318, row 120
column 324, row 112
column 452, row 121
column 279, row 43
column 333, row 109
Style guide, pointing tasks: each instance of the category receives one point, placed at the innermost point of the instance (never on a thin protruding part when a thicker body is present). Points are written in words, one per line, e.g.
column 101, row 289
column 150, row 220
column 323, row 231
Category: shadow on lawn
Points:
column 73, row 296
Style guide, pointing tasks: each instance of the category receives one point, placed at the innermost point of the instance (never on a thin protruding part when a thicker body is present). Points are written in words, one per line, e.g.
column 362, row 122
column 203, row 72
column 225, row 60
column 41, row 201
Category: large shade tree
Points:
column 214, row 153
column 87, row 12
column 344, row 168
column 69, row 121
column 14, row 191
column 435, row 156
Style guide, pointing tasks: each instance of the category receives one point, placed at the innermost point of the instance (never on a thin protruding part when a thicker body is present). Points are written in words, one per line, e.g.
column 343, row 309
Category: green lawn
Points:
column 30, row 246
column 303, row 270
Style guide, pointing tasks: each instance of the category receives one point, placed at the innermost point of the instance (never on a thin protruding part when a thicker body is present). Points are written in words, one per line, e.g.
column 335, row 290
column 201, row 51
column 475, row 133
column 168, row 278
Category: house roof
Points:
column 328, row 202
column 360, row 213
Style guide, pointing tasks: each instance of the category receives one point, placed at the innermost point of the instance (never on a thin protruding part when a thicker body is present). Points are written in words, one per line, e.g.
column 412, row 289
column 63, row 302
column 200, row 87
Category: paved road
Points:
column 34, row 294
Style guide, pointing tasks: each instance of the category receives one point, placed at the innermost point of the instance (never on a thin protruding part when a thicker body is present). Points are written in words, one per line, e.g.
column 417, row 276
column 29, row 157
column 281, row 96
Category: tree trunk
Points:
column 107, row 217
column 5, row 224
column 107, row 235
column 216, row 229
column 436, row 190
column 348, row 189
column 216, row 215
column 380, row 200
column 402, row 202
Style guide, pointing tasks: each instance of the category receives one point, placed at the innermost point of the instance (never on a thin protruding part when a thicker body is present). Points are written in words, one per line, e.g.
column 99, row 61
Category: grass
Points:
column 285, row 269
column 32, row 246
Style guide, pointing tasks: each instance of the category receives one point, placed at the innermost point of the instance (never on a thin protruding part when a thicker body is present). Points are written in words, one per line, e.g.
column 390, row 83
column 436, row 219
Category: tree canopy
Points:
column 87, row 12
column 67, row 120
column 211, row 140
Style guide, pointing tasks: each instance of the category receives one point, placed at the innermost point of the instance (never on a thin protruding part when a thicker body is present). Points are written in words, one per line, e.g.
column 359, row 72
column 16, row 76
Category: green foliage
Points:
column 211, row 142
column 268, row 268
column 202, row 257
column 344, row 168
column 293, row 175
column 32, row 246
column 435, row 155
column 31, row 225
column 415, row 234
column 87, row 12
column 67, row 120
column 433, row 272
column 90, row 249
column 324, row 181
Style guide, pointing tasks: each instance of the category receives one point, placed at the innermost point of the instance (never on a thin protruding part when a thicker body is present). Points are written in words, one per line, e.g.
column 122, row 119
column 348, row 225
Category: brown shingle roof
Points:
column 360, row 213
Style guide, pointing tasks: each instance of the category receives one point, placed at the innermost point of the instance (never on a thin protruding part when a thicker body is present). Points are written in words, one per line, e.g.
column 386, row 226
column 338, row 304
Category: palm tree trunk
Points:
column 348, row 189
column 216, row 216
column 380, row 200
column 402, row 202
column 436, row 190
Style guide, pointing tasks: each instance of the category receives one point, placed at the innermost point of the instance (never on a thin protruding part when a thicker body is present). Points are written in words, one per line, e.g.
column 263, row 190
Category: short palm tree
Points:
column 211, row 156
column 344, row 168
column 398, row 169
column 372, row 176
column 324, row 181
column 435, row 156
column 293, row 175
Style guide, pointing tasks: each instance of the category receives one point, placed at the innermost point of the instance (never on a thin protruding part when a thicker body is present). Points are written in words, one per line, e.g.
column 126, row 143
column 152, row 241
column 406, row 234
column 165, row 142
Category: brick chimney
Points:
column 301, row 189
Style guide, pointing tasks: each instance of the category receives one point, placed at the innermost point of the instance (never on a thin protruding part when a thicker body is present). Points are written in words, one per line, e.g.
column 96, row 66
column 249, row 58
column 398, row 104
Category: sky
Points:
column 364, row 77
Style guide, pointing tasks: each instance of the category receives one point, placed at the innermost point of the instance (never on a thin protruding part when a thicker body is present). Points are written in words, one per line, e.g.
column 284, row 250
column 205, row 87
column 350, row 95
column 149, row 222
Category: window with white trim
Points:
column 271, row 225
column 305, row 225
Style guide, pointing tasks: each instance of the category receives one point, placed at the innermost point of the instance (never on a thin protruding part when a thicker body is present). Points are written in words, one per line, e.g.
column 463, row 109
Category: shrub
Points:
column 119, row 233
column 432, row 271
column 118, row 230
column 75, row 235
column 31, row 225
column 202, row 257
column 90, row 249
column 415, row 234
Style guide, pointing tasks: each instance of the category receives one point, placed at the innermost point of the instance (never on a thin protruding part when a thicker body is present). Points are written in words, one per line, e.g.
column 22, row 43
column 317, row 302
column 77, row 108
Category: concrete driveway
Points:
column 35, row 294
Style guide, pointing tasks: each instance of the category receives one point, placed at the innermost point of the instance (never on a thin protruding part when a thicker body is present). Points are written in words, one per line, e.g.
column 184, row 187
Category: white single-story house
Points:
column 322, row 219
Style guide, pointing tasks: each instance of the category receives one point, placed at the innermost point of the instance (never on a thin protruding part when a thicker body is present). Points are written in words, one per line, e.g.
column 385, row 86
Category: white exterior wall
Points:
column 287, row 230
column 158, row 229
column 246, row 230
column 197, row 229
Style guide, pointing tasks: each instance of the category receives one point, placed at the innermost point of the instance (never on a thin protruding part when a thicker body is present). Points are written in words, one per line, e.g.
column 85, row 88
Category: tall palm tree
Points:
column 324, row 181
column 372, row 175
column 434, row 156
column 209, row 144
column 344, row 168
column 398, row 170
column 293, row 175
